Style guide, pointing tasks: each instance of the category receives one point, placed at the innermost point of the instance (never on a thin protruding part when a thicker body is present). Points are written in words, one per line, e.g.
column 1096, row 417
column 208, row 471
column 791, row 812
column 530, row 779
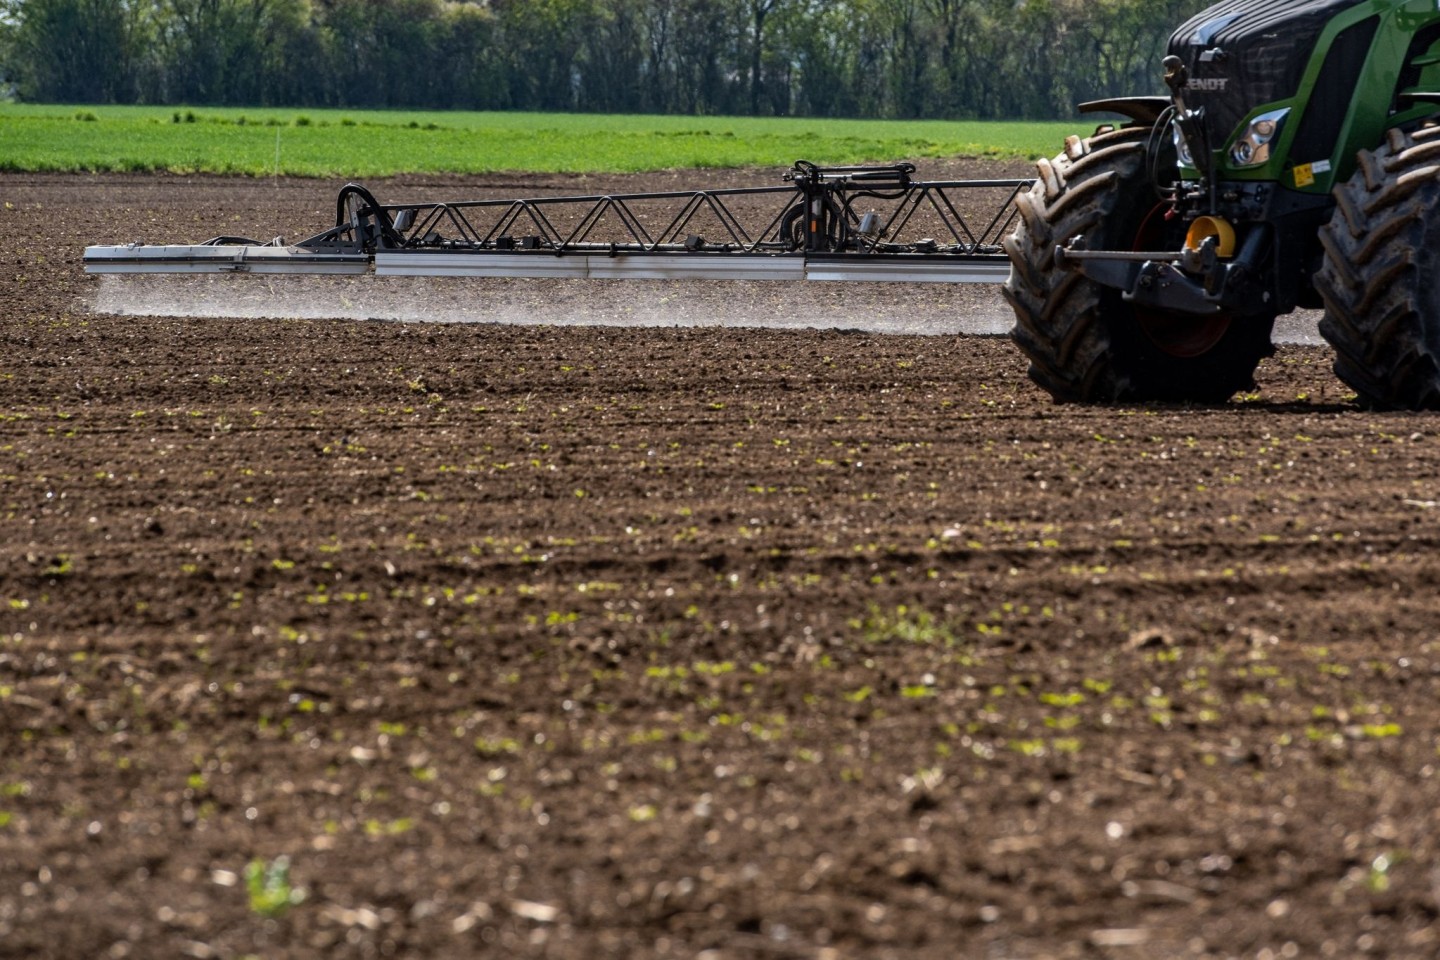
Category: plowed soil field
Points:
column 583, row 642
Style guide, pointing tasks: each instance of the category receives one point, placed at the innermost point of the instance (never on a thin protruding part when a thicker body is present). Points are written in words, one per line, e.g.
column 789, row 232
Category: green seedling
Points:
column 269, row 888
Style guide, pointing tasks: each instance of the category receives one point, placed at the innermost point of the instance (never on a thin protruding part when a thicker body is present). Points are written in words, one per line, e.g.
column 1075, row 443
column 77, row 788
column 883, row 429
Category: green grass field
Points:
column 356, row 143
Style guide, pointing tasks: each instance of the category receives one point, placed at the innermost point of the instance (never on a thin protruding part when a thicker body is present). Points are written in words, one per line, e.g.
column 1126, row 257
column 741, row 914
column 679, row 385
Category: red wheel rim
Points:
column 1176, row 334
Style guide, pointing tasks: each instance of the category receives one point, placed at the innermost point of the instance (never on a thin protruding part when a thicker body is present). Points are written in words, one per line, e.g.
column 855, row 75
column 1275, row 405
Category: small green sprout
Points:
column 269, row 887
column 1379, row 731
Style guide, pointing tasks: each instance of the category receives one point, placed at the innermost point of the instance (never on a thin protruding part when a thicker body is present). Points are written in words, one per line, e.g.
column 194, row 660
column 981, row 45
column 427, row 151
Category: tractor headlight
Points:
column 1182, row 149
column 1252, row 147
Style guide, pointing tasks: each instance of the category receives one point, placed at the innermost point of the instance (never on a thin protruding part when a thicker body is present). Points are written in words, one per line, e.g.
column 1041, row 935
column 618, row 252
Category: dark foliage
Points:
column 866, row 58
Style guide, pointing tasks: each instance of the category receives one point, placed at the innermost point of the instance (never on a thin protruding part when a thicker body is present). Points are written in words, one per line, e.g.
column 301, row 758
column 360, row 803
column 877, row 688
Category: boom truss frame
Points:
column 823, row 223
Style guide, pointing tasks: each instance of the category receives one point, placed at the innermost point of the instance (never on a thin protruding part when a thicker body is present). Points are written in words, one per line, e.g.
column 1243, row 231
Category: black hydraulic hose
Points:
column 1153, row 147
column 388, row 236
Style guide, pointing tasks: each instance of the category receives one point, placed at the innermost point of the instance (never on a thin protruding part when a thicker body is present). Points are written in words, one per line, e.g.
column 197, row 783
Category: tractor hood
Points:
column 1242, row 53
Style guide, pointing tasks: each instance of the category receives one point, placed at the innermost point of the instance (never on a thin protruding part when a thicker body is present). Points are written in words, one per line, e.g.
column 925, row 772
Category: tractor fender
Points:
column 1143, row 110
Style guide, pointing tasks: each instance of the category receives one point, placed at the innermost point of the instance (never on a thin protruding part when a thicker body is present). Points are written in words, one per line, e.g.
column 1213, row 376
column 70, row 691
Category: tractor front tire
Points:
column 1085, row 343
column 1380, row 277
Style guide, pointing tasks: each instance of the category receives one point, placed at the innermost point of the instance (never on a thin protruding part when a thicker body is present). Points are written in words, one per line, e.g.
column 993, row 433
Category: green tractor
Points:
column 1294, row 164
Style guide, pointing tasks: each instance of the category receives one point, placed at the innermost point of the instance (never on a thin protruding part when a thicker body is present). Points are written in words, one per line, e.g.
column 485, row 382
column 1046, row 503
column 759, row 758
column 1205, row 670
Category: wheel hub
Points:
column 1177, row 334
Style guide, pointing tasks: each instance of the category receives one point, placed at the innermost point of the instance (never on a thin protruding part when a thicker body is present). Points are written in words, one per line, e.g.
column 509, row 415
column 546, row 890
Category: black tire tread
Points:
column 1068, row 359
column 1382, row 301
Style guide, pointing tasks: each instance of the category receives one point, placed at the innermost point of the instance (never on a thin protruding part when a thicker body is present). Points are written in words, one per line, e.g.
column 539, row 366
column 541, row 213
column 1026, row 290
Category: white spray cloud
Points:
column 933, row 309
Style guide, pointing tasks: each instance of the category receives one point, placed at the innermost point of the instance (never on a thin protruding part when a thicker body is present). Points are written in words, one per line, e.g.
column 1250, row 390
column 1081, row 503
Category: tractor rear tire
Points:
column 1085, row 343
column 1380, row 277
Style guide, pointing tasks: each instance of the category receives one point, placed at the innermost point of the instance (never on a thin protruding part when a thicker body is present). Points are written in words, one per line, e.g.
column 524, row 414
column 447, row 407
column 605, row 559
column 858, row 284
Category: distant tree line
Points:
column 851, row 58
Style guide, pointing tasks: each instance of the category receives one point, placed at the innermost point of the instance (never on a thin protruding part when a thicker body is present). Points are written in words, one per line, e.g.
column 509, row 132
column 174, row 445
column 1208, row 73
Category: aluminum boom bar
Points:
column 206, row 258
column 893, row 268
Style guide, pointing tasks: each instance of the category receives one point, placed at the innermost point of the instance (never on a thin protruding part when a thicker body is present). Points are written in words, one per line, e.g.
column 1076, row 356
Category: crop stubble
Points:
column 582, row 642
